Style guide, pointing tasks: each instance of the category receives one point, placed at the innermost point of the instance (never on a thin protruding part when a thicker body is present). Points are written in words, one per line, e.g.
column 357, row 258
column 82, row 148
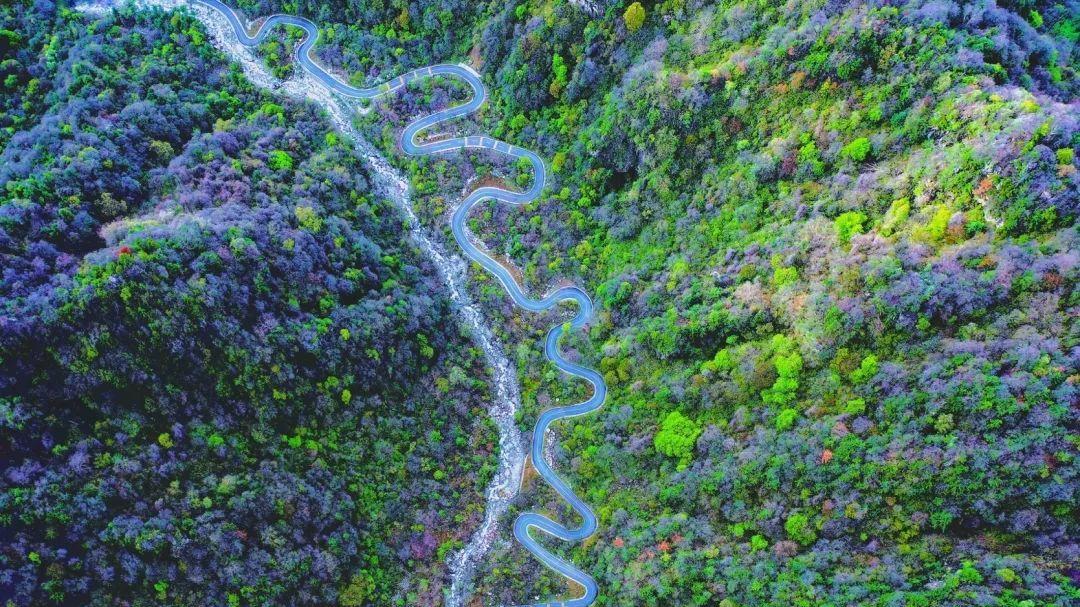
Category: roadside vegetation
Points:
column 834, row 249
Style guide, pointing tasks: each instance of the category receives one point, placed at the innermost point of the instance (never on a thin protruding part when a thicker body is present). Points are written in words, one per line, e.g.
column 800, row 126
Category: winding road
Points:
column 528, row 522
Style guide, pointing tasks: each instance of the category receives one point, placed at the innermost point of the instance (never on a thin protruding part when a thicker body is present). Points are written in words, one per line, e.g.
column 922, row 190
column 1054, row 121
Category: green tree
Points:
column 308, row 218
column 868, row 368
column 786, row 419
column 798, row 528
column 849, row 224
column 857, row 150
column 634, row 17
column 677, row 436
column 359, row 590
column 788, row 364
column 280, row 160
column 558, row 71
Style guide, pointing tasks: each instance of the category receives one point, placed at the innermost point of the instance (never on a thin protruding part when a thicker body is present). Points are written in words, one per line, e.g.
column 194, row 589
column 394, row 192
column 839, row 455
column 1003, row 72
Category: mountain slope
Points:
column 835, row 252
column 225, row 378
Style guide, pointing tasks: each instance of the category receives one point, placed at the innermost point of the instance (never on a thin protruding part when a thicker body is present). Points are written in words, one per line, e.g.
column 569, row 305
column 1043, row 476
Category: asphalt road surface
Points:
column 528, row 522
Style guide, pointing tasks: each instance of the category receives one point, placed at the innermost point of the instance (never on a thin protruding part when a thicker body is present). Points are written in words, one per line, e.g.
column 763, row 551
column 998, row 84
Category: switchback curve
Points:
column 409, row 143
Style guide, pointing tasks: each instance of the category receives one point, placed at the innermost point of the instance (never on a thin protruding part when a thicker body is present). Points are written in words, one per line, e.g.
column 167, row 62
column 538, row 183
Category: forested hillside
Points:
column 225, row 376
column 834, row 246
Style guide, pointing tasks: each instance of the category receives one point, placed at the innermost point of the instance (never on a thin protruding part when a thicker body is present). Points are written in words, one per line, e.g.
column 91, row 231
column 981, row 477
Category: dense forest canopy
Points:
column 225, row 377
column 833, row 245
